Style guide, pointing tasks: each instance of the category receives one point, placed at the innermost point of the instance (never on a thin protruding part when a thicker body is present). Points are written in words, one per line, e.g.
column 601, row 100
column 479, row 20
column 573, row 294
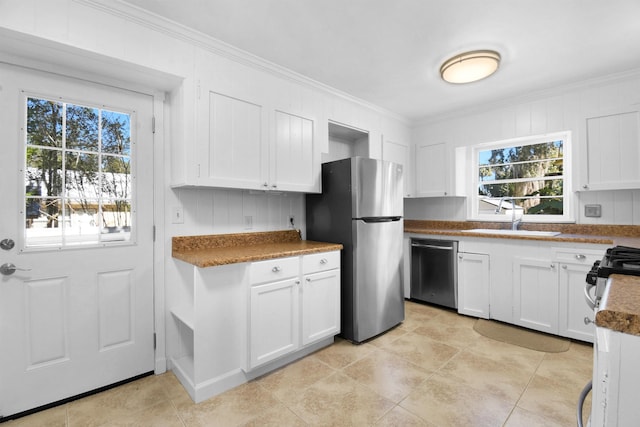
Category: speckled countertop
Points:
column 220, row 249
column 626, row 235
column 620, row 305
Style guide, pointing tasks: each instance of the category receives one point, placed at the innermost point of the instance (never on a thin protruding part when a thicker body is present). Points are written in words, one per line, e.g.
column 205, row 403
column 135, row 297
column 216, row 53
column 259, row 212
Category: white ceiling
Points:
column 388, row 52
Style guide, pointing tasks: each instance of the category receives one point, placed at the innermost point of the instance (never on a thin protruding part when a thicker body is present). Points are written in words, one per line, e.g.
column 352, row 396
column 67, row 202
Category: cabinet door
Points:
column 397, row 152
column 612, row 152
column 431, row 170
column 274, row 321
column 294, row 166
column 235, row 154
column 573, row 308
column 473, row 284
column 320, row 295
column 535, row 294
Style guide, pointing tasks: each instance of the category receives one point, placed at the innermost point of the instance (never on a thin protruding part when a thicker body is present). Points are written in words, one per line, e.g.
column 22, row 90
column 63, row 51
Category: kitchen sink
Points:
column 512, row 232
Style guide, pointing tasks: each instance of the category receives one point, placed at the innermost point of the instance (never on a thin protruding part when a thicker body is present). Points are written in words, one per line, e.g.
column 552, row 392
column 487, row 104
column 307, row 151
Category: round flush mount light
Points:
column 470, row 66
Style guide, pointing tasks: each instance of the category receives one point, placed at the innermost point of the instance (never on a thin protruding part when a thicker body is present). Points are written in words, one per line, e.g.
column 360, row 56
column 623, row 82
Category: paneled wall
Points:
column 219, row 211
column 552, row 111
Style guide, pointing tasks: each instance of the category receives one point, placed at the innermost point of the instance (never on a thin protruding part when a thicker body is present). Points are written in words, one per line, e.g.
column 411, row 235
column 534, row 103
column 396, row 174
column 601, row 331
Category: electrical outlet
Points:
column 248, row 222
column 593, row 211
column 292, row 221
column 177, row 215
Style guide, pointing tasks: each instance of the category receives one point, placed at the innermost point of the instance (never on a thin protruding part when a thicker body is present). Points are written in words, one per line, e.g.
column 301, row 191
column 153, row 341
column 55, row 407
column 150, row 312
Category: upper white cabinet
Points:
column 399, row 152
column 432, row 170
column 611, row 152
column 251, row 145
column 234, row 151
column 294, row 166
column 247, row 129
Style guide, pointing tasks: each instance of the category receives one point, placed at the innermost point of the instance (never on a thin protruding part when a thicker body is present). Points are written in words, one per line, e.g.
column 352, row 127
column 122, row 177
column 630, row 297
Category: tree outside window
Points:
column 531, row 173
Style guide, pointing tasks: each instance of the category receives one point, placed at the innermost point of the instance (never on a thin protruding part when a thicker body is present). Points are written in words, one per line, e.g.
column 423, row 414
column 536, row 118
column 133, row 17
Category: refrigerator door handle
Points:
column 380, row 219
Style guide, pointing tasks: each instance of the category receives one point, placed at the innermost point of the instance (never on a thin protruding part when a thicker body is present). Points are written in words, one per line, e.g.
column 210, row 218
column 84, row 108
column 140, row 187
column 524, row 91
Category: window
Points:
column 77, row 174
column 527, row 177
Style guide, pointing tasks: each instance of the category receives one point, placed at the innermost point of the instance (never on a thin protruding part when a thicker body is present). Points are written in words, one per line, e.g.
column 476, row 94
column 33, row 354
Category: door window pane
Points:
column 78, row 181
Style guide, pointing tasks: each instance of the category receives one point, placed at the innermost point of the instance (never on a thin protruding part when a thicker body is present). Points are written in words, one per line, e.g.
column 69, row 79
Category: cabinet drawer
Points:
column 273, row 270
column 320, row 262
column 578, row 256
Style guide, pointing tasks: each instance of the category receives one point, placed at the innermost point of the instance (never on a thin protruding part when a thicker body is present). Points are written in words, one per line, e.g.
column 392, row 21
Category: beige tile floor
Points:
column 433, row 370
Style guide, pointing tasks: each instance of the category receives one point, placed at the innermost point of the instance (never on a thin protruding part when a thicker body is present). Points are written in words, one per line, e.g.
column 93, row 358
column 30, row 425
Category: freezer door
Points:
column 377, row 188
column 378, row 293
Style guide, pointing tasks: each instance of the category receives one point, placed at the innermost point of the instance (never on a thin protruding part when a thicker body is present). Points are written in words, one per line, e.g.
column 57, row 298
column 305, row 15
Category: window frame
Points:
column 473, row 199
column 130, row 238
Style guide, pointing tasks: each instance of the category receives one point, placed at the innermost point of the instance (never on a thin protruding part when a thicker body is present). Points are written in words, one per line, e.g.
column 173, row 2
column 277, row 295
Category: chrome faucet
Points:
column 514, row 222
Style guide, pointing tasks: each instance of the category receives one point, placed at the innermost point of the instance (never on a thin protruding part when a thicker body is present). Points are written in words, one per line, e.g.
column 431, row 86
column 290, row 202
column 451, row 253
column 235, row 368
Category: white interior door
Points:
column 76, row 175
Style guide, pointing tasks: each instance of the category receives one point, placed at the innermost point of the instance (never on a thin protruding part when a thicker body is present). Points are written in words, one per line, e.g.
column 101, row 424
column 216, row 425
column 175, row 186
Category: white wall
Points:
column 552, row 111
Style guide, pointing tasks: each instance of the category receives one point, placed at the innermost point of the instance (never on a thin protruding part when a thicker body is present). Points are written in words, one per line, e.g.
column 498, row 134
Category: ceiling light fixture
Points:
column 470, row 66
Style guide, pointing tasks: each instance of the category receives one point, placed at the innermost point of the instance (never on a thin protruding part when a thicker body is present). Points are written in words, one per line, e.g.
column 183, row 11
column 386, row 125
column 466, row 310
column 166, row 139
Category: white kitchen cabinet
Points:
column 320, row 296
column 574, row 265
column 535, row 294
column 294, row 302
column 611, row 151
column 250, row 145
column 473, row 284
column 239, row 321
column 432, row 170
column 246, row 129
column 209, row 318
column 274, row 321
column 234, row 151
column 398, row 152
column 295, row 165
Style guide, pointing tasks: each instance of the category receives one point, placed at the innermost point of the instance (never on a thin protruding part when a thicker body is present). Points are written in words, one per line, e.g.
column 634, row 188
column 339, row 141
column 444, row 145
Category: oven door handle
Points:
column 587, row 295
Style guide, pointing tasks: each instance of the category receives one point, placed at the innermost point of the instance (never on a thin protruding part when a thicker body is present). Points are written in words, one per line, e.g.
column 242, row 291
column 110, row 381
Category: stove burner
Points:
column 619, row 260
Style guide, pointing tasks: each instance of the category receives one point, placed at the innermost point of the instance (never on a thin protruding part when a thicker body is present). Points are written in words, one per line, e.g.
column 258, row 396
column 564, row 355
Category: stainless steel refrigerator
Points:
column 361, row 206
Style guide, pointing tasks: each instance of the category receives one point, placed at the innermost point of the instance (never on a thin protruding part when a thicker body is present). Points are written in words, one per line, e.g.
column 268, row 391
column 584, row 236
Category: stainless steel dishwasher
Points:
column 434, row 271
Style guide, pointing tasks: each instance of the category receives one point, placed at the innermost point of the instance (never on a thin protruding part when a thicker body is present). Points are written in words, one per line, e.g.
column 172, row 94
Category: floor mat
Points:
column 521, row 337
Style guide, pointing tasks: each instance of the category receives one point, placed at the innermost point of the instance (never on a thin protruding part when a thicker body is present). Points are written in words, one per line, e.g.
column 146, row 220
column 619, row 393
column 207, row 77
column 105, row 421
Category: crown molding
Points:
column 530, row 97
column 173, row 29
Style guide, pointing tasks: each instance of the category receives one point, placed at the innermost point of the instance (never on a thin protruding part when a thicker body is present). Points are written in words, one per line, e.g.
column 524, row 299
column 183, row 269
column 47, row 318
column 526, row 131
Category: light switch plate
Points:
column 177, row 215
column 593, row 211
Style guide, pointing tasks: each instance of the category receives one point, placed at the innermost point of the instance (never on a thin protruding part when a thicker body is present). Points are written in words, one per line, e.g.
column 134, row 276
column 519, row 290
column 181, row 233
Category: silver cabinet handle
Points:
column 586, row 320
column 581, row 257
column 7, row 269
column 265, row 185
column 308, row 279
column 276, row 269
column 323, row 261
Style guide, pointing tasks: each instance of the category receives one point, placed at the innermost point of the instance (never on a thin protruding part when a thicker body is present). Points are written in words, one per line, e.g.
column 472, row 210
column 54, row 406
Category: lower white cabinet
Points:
column 320, row 305
column 238, row 317
column 293, row 302
column 575, row 316
column 273, row 321
column 535, row 294
column 473, row 284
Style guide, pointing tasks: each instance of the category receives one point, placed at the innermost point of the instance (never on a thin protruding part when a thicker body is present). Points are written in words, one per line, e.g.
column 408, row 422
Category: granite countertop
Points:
column 221, row 249
column 625, row 235
column 620, row 305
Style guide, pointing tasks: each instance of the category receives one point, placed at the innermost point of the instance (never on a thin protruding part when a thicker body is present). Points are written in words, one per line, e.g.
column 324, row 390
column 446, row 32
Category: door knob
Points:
column 7, row 269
